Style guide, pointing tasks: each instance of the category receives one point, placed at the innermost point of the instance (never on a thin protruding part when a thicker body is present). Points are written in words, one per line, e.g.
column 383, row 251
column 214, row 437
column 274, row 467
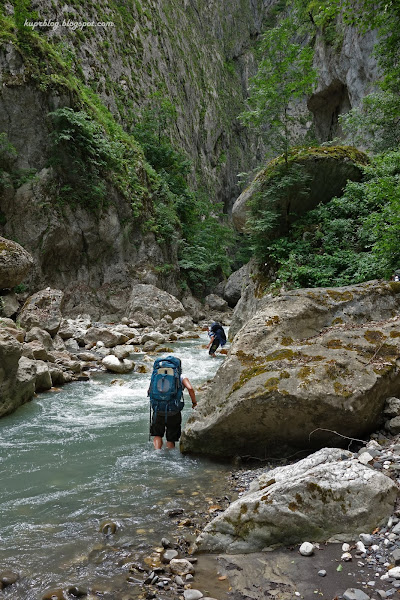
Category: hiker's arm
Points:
column 191, row 391
column 210, row 342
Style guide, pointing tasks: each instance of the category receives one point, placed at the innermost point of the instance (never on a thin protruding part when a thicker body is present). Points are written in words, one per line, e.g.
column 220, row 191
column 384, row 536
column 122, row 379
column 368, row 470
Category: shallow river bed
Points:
column 74, row 459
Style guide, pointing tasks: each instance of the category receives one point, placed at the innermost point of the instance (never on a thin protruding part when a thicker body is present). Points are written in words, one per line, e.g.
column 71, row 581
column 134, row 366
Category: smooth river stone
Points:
column 8, row 577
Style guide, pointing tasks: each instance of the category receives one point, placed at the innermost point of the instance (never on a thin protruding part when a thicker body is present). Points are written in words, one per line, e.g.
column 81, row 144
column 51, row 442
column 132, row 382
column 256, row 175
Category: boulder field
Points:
column 44, row 348
column 310, row 368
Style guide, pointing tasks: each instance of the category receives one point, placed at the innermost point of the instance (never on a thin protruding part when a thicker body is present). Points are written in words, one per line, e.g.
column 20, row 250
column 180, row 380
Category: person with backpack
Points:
column 217, row 338
column 166, row 400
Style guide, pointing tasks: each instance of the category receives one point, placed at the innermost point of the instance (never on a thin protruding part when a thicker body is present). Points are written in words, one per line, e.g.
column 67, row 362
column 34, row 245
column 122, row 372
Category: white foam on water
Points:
column 70, row 460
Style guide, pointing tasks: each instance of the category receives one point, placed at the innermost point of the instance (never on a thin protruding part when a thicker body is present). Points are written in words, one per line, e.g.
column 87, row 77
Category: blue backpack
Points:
column 166, row 391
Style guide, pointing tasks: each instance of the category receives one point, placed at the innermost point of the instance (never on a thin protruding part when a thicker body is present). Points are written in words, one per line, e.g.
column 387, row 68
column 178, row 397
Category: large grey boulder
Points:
column 75, row 328
column 10, row 353
column 215, row 302
column 328, row 170
column 9, row 304
column 43, row 310
column 309, row 367
column 149, row 300
column 17, row 374
column 109, row 337
column 251, row 298
column 25, row 384
column 328, row 495
column 15, row 263
column 193, row 307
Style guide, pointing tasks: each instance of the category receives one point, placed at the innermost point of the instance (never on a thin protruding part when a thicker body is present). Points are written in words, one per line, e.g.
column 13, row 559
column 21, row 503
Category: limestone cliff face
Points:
column 347, row 71
column 199, row 54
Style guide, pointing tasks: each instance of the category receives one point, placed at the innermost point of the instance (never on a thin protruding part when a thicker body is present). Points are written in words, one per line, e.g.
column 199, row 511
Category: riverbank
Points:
column 358, row 569
column 79, row 457
column 135, row 561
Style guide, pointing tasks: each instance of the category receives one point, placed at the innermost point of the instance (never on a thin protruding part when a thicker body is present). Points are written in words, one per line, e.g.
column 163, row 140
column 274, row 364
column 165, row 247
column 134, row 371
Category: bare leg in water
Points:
column 158, row 443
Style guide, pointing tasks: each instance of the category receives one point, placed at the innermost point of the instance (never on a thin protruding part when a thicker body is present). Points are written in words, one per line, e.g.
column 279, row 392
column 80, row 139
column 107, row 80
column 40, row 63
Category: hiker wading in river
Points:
column 217, row 338
column 166, row 400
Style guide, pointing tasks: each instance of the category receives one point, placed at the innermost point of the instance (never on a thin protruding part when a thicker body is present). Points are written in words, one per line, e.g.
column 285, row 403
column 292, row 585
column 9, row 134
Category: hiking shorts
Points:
column 172, row 425
column 213, row 346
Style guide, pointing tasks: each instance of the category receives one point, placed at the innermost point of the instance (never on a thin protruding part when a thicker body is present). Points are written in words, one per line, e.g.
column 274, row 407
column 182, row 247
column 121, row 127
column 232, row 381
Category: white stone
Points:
column 360, row 547
column 365, row 458
column 345, row 547
column 395, row 572
column 114, row 364
column 346, row 556
column 274, row 513
column 192, row 595
column 306, row 549
column 355, row 594
column 181, row 566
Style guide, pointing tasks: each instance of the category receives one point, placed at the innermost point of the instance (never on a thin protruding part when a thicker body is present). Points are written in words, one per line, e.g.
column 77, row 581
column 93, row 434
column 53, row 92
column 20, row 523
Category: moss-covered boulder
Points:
column 309, row 367
column 15, row 263
column 327, row 170
column 329, row 494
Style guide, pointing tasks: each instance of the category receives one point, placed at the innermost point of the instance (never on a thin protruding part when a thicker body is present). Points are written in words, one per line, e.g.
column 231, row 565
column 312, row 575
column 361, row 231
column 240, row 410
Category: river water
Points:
column 73, row 459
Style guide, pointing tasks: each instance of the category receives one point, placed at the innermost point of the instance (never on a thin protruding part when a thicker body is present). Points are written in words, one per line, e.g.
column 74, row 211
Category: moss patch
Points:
column 275, row 320
column 342, row 390
column 374, row 337
column 340, row 296
column 281, row 355
column 304, row 154
column 395, row 286
column 271, row 385
column 334, row 344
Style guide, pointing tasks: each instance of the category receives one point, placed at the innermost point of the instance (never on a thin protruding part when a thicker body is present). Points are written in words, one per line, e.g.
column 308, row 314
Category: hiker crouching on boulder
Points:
column 217, row 338
column 166, row 400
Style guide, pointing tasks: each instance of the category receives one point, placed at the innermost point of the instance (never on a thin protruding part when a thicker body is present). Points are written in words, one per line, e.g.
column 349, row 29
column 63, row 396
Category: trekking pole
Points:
column 150, row 424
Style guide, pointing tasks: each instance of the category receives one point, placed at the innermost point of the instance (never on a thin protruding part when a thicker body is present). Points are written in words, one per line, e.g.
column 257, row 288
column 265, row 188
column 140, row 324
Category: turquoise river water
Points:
column 72, row 459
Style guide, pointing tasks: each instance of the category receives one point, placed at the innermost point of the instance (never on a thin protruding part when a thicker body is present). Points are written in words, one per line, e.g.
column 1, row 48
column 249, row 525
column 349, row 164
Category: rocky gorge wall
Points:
column 197, row 54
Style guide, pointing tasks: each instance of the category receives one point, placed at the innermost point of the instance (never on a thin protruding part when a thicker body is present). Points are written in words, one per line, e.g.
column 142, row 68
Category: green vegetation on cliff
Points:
column 96, row 160
column 354, row 237
column 350, row 239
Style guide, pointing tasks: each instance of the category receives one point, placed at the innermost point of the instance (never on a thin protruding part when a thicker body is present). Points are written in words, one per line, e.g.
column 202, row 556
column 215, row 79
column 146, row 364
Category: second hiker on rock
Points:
column 217, row 338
